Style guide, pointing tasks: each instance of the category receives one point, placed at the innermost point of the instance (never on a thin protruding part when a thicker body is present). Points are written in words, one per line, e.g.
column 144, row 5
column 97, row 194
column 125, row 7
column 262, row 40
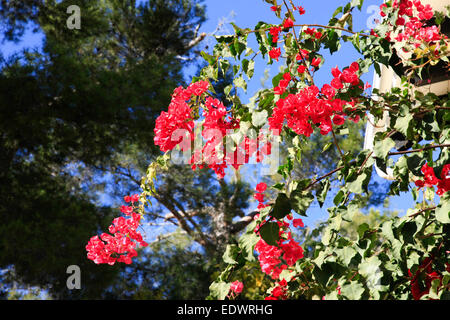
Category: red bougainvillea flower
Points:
column 133, row 198
column 354, row 66
column 301, row 10
column 444, row 183
column 337, row 84
column 120, row 245
column 422, row 279
column 298, row 223
column 274, row 259
column 302, row 54
column 126, row 209
column 328, row 91
column 308, row 107
column 310, row 31
column 315, row 62
column 381, row 10
column 288, row 23
column 349, row 76
column 336, row 72
column 237, row 287
column 259, row 197
column 400, row 21
column 301, row 69
column 261, row 187
column 338, row 120
column 275, row 53
column 178, row 116
column 430, row 177
column 274, row 32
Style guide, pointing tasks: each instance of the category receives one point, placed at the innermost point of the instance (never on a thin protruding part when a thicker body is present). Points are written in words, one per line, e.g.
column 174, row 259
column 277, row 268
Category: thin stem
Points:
column 330, row 27
column 445, row 145
column 336, row 143
column 364, row 163
column 421, row 211
column 298, row 45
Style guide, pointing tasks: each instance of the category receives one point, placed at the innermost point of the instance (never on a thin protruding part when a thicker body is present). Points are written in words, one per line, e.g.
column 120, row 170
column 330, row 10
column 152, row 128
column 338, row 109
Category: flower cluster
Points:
column 430, row 179
column 314, row 106
column 274, row 53
column 410, row 24
column 178, row 116
column 121, row 245
column 173, row 126
column 237, row 287
column 421, row 280
column 274, row 259
column 215, row 125
column 279, row 292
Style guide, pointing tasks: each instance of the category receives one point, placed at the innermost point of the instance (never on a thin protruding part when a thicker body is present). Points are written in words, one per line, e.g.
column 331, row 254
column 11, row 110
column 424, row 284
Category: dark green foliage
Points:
column 71, row 111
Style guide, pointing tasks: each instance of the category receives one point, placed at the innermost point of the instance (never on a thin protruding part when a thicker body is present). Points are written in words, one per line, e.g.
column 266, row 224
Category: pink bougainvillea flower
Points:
column 237, row 287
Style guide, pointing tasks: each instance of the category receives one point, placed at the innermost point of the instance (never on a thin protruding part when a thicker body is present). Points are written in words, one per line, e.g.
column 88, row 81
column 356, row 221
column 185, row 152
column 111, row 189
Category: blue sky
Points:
column 247, row 13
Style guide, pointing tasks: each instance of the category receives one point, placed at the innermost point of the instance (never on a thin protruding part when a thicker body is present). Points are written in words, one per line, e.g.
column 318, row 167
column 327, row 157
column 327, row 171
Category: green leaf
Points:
column 404, row 123
column 239, row 82
column 227, row 89
column 360, row 184
column 261, row 37
column 300, row 201
column 230, row 254
column 362, row 230
column 357, row 3
column 443, row 211
column 338, row 197
column 259, row 118
column 322, row 191
column 387, row 231
column 219, row 289
column 370, row 269
column 247, row 242
column 327, row 146
column 326, row 237
column 346, row 254
column 414, row 164
column 408, row 231
column 270, row 233
column 435, row 293
column 249, row 67
column 209, row 58
column 337, row 11
column 333, row 41
column 382, row 148
column 239, row 47
column 353, row 291
column 282, row 207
